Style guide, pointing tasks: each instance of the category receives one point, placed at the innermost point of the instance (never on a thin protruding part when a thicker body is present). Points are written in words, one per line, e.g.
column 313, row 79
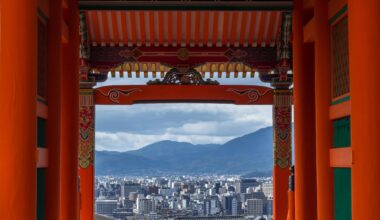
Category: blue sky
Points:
column 123, row 128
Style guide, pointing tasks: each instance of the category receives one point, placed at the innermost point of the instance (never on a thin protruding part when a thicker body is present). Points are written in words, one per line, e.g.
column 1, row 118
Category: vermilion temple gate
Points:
column 181, row 71
column 333, row 55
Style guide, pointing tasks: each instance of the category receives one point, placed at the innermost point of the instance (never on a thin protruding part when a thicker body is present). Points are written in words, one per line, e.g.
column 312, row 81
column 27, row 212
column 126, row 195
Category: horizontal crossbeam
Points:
column 227, row 94
column 107, row 58
column 185, row 5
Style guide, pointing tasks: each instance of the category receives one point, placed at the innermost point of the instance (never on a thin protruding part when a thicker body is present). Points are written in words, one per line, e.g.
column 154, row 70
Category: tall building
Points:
column 231, row 205
column 243, row 184
column 267, row 189
column 145, row 206
column 105, row 207
column 127, row 188
column 254, row 207
column 269, row 206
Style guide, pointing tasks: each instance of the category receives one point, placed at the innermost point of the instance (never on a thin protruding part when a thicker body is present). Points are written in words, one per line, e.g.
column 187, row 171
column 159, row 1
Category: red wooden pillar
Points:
column 364, row 47
column 54, row 79
column 18, row 94
column 304, row 120
column 324, row 131
column 70, row 116
column 282, row 125
column 86, row 152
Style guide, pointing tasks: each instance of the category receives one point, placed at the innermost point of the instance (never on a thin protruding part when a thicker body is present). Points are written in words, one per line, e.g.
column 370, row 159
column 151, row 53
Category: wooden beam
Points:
column 42, row 109
column 43, row 6
column 65, row 32
column 42, row 157
column 341, row 157
column 255, row 57
column 227, row 94
column 340, row 110
column 184, row 5
column 335, row 6
column 309, row 31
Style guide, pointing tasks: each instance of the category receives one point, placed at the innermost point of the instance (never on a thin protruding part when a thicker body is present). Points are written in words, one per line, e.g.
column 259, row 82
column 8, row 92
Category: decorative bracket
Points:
column 183, row 76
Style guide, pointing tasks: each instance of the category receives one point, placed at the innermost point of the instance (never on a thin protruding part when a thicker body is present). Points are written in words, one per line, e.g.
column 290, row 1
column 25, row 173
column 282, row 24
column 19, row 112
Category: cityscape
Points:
column 183, row 197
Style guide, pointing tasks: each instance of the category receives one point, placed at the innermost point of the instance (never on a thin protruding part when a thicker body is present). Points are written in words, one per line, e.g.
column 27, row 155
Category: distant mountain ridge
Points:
column 243, row 155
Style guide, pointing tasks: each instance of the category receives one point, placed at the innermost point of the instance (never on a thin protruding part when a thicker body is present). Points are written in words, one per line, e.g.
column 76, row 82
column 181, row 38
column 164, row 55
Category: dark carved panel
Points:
column 185, row 77
column 110, row 57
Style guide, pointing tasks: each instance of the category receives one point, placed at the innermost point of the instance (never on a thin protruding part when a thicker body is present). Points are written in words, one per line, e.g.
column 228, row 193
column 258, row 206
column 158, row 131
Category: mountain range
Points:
column 249, row 154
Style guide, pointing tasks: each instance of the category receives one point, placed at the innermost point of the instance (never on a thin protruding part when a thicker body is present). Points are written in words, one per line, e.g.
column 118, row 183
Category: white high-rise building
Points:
column 267, row 189
column 255, row 207
column 145, row 206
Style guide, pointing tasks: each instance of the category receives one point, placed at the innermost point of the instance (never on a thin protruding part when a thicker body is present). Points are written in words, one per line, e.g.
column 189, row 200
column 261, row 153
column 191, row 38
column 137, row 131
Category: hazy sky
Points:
column 122, row 128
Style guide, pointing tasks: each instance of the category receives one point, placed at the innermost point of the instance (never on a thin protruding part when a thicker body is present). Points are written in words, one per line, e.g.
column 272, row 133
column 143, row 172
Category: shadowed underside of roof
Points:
column 232, row 37
column 184, row 28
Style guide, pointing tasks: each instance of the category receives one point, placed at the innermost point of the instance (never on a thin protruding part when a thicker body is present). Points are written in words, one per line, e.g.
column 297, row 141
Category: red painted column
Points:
column 304, row 121
column 70, row 117
column 324, row 131
column 18, row 95
column 86, row 152
column 282, row 138
column 54, row 79
column 364, row 47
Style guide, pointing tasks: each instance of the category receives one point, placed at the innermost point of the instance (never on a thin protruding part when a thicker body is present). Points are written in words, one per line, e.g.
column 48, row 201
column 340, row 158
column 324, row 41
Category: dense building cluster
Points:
column 184, row 197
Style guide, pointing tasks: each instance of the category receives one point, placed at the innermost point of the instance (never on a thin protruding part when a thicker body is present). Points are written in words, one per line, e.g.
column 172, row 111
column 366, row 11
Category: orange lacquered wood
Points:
column 272, row 21
column 64, row 32
column 215, row 28
column 324, row 130
column 42, row 158
column 106, row 32
column 341, row 157
column 123, row 17
column 42, row 110
column 340, row 110
column 115, row 28
column 18, row 70
column 309, row 31
column 43, row 5
column 183, row 93
column 54, row 79
column 363, row 23
column 151, row 27
column 70, row 119
column 263, row 16
column 280, row 189
column 251, row 35
column 334, row 6
column 205, row 27
column 291, row 214
column 87, row 192
column 304, row 121
column 161, row 27
column 243, row 27
column 233, row 28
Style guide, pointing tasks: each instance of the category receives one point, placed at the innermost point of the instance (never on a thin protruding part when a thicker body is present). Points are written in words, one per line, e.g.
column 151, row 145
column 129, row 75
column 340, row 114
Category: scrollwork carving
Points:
column 114, row 94
column 252, row 94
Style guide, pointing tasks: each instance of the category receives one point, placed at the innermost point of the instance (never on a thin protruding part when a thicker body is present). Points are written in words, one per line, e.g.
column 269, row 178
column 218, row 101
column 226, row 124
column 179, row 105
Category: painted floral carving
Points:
column 282, row 136
column 86, row 142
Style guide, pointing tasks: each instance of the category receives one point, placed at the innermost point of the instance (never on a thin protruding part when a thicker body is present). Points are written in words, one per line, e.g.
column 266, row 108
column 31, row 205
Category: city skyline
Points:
column 184, row 197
